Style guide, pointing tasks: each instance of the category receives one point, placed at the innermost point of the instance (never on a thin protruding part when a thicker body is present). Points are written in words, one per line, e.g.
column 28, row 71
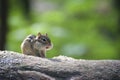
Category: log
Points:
column 17, row 66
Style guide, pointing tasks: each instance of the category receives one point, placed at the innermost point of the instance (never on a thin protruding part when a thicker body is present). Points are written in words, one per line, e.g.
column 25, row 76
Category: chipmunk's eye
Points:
column 44, row 39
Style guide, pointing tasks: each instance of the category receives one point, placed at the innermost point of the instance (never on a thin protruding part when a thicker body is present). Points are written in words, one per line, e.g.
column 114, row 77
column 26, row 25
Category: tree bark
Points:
column 3, row 24
column 15, row 66
column 117, row 7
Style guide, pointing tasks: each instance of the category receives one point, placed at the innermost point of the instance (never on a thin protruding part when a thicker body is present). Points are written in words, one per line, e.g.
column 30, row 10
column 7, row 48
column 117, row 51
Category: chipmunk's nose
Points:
column 47, row 47
column 50, row 46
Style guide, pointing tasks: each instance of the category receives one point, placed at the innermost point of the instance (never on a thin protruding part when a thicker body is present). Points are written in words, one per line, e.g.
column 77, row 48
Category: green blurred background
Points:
column 85, row 29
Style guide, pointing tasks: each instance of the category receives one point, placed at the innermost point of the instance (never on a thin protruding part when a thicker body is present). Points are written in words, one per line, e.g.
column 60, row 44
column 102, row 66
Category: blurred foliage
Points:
column 78, row 28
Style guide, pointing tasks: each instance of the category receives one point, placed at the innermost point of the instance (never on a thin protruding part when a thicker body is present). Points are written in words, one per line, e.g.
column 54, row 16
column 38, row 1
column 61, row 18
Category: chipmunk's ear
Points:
column 39, row 34
column 46, row 34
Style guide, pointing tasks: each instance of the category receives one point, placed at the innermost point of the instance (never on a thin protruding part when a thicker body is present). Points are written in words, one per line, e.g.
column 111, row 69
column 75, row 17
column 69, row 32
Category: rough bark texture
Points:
column 15, row 66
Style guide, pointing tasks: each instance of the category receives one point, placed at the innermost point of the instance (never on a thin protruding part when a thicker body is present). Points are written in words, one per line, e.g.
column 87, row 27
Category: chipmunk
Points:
column 36, row 45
